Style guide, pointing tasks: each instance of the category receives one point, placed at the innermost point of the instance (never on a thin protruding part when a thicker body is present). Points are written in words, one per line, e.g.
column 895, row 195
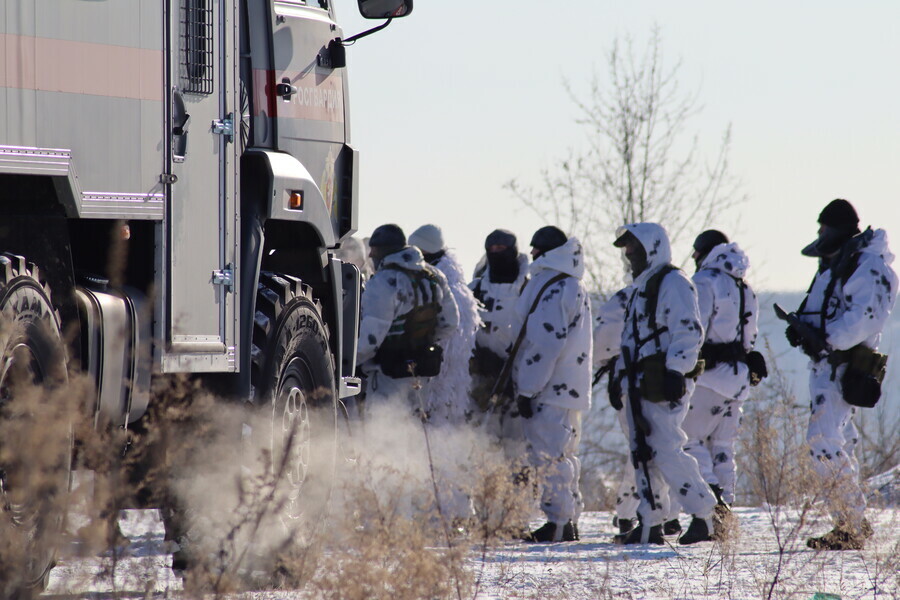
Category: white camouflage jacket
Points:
column 553, row 363
column 501, row 325
column 719, row 300
column 676, row 309
column 389, row 294
column 857, row 310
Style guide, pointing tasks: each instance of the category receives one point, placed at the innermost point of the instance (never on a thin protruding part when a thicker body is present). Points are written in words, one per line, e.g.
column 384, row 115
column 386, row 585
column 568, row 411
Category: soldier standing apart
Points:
column 408, row 313
column 552, row 376
column 838, row 326
column 497, row 286
column 448, row 399
column 729, row 314
column 660, row 347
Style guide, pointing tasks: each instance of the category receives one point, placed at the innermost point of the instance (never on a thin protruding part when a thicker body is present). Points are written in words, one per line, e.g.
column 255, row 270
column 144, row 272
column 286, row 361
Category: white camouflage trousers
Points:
column 552, row 436
column 670, row 467
column 627, row 498
column 832, row 439
column 711, row 426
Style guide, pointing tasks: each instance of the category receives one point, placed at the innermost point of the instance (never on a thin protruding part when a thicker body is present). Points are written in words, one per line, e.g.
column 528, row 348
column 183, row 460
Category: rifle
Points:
column 811, row 338
column 642, row 454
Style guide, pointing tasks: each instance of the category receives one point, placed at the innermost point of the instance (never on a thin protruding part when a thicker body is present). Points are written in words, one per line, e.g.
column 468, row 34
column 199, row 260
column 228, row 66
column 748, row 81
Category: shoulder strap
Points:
column 507, row 366
column 845, row 268
column 651, row 293
column 742, row 317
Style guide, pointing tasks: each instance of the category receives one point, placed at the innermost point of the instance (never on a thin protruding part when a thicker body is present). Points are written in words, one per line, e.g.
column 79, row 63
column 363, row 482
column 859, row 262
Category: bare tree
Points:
column 640, row 163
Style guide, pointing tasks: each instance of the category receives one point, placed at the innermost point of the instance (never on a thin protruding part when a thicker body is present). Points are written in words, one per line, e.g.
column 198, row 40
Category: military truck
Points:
column 174, row 178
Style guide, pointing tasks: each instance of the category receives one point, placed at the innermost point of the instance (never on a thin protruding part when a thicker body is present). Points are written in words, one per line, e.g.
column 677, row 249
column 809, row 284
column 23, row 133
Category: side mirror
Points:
column 384, row 9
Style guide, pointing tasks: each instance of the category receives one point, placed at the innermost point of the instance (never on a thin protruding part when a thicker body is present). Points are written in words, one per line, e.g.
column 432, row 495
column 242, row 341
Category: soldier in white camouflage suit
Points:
column 498, row 283
column 660, row 347
column 402, row 282
column 845, row 310
column 729, row 315
column 448, row 398
column 552, row 376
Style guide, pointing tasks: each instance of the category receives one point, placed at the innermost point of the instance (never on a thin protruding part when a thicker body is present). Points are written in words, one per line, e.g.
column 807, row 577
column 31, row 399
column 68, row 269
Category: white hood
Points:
column 728, row 258
column 568, row 259
column 655, row 240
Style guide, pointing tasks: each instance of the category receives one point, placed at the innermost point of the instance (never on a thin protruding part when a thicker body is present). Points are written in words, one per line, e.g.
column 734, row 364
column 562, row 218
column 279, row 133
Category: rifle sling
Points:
column 507, row 366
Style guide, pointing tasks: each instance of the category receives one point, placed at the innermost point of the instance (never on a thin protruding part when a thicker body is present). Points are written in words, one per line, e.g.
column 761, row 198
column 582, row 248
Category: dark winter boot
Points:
column 655, row 536
column 672, row 527
column 625, row 525
column 842, row 538
column 551, row 532
column 700, row 530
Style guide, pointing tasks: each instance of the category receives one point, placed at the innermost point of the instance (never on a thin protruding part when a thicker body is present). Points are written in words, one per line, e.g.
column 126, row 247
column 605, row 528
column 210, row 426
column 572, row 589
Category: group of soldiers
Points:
column 518, row 350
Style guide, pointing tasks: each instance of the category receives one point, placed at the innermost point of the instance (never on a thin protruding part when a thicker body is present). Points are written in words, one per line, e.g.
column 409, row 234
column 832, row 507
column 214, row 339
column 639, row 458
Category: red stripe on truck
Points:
column 51, row 65
column 317, row 98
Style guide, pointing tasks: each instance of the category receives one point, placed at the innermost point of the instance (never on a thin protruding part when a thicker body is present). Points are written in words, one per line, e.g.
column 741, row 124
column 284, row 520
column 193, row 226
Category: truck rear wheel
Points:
column 35, row 435
column 294, row 378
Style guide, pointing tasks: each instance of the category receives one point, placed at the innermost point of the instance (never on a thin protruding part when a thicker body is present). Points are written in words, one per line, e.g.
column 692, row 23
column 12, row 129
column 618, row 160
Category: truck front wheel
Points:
column 294, row 379
column 35, row 433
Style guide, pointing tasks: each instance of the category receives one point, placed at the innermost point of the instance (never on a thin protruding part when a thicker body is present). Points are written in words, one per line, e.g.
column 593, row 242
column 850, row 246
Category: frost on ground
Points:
column 767, row 559
column 754, row 564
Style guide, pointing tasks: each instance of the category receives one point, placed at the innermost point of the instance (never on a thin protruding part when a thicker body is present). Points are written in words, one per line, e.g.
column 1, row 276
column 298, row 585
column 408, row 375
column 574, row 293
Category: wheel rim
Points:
column 21, row 369
column 292, row 431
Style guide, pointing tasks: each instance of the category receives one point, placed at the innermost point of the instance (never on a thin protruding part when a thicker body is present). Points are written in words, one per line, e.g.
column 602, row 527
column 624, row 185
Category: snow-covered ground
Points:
column 755, row 564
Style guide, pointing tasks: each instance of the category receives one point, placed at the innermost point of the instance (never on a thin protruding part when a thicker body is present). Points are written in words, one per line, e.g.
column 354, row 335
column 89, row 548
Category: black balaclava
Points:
column 705, row 242
column 503, row 265
column 637, row 259
column 385, row 240
column 547, row 238
column 842, row 224
column 435, row 258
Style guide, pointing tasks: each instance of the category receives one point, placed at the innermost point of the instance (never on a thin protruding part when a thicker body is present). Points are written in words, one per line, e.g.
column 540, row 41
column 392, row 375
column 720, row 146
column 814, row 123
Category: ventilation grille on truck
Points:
column 197, row 46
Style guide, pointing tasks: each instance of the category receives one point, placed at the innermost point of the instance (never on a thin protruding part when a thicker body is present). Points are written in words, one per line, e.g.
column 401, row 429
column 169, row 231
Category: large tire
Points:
column 35, row 433
column 294, row 381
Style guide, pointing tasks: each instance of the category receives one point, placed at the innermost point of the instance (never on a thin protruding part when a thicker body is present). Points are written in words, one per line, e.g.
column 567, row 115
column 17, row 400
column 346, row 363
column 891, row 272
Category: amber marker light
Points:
column 296, row 201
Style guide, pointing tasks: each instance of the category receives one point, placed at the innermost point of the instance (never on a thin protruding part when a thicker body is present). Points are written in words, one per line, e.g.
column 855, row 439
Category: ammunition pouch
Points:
column 485, row 363
column 485, row 367
column 653, row 374
column 864, row 372
column 399, row 363
column 756, row 362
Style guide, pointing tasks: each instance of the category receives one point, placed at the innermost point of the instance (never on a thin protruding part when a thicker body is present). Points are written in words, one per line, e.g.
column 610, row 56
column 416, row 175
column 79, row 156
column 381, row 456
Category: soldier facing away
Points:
column 407, row 311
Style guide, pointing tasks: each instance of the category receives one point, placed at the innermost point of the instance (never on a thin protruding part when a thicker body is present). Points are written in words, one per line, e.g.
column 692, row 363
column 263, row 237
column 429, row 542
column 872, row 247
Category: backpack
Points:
column 409, row 350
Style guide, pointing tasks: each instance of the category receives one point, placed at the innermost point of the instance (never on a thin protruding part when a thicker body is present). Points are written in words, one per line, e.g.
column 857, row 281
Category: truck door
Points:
column 200, row 256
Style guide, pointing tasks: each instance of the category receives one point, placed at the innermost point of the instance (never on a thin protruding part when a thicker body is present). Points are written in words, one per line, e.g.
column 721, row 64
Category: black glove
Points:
column 525, row 409
column 792, row 336
column 812, row 349
column 614, row 389
column 673, row 386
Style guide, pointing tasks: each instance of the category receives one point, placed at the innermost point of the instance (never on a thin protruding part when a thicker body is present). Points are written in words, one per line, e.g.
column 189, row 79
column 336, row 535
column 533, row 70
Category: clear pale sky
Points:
column 458, row 98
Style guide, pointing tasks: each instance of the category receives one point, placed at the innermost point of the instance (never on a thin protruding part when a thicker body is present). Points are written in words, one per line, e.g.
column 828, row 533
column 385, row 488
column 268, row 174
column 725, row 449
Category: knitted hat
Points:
column 500, row 237
column 427, row 238
column 841, row 215
column 548, row 237
column 708, row 240
column 389, row 235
